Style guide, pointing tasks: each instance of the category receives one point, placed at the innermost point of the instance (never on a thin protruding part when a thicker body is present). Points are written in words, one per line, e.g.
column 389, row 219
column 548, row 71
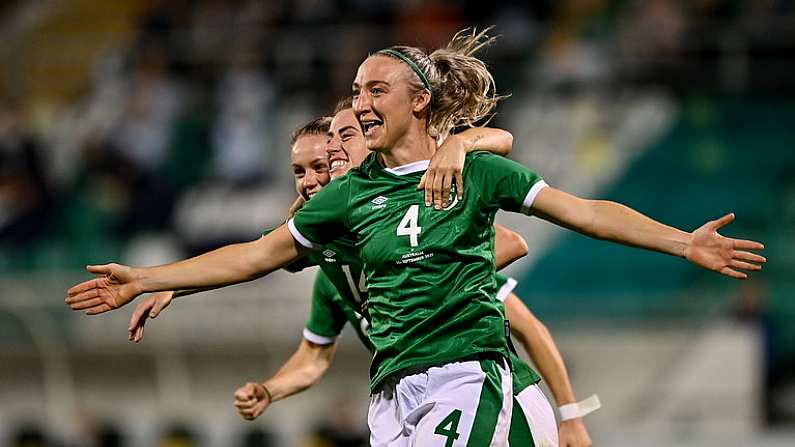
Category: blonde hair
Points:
column 462, row 88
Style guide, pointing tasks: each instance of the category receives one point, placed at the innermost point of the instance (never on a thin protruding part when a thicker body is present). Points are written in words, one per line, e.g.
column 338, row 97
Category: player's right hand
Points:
column 148, row 308
column 114, row 286
column 445, row 168
column 572, row 433
column 251, row 400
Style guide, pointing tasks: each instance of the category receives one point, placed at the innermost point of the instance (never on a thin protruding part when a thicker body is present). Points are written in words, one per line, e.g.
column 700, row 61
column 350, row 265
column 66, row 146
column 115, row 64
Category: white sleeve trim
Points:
column 298, row 236
column 506, row 289
column 531, row 196
column 318, row 339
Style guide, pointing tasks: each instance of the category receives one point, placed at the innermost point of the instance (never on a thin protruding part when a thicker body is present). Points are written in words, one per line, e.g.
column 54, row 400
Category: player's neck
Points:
column 415, row 145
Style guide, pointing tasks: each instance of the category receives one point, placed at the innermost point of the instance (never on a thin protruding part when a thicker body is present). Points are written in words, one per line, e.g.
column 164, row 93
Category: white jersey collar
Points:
column 410, row 168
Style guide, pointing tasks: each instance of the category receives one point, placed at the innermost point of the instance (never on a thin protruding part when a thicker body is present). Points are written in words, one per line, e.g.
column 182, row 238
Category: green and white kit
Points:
column 532, row 418
column 429, row 274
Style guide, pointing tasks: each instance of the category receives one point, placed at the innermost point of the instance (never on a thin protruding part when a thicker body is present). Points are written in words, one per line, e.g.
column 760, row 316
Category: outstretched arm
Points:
column 448, row 161
column 304, row 369
column 117, row 285
column 508, row 246
column 612, row 221
column 539, row 344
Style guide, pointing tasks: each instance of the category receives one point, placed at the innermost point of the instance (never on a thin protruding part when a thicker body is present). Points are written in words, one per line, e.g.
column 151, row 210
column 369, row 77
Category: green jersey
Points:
column 341, row 270
column 330, row 312
column 430, row 274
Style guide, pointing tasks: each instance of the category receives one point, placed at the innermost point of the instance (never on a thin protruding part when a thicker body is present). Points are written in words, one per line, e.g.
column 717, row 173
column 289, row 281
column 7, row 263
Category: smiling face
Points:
column 383, row 101
column 310, row 165
column 346, row 147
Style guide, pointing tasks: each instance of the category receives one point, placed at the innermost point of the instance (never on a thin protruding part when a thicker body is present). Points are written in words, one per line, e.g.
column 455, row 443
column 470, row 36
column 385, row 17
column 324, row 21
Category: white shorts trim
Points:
column 539, row 415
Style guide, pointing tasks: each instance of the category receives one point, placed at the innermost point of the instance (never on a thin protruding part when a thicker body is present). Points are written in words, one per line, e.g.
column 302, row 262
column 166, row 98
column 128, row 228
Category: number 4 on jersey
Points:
column 408, row 225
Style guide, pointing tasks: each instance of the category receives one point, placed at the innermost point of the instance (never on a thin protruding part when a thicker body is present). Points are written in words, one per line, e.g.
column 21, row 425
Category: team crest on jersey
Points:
column 379, row 202
column 329, row 253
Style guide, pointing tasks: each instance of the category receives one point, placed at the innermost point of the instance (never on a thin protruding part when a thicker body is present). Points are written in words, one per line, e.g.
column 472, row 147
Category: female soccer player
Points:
column 337, row 293
column 438, row 375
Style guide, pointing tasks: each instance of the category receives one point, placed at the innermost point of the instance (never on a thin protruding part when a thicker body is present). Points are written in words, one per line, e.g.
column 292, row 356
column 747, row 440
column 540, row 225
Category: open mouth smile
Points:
column 368, row 126
column 337, row 164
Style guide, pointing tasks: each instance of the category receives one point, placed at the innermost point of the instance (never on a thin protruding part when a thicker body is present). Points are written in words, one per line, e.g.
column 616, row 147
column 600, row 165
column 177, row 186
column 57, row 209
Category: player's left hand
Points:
column 446, row 166
column 724, row 255
column 572, row 433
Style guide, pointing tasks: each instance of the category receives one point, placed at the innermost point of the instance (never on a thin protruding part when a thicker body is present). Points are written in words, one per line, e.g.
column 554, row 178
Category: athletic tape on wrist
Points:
column 579, row 409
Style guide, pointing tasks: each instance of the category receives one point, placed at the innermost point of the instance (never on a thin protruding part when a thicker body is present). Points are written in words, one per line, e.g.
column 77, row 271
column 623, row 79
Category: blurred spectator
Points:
column 25, row 198
column 427, row 23
column 113, row 197
column 573, row 54
column 153, row 101
column 653, row 30
column 208, row 23
column 243, row 138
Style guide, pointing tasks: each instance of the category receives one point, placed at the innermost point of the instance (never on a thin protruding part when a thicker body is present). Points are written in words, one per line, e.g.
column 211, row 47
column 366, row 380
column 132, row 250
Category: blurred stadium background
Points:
column 146, row 131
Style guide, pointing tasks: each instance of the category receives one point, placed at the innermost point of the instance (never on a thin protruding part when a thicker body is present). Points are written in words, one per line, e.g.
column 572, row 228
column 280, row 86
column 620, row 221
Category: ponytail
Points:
column 462, row 88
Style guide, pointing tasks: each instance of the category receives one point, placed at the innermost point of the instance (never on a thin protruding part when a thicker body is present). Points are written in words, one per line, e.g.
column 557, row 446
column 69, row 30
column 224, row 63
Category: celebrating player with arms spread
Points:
column 439, row 374
column 533, row 420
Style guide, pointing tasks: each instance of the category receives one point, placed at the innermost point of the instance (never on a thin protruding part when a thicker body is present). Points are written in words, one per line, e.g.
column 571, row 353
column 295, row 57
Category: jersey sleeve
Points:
column 324, row 217
column 505, row 286
column 326, row 319
column 503, row 183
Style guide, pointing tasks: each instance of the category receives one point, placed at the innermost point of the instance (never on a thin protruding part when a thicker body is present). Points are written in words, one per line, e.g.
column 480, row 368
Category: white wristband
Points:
column 579, row 409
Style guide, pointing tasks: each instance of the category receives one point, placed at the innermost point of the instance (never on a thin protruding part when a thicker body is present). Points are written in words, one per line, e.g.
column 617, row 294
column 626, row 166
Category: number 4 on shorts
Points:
column 449, row 427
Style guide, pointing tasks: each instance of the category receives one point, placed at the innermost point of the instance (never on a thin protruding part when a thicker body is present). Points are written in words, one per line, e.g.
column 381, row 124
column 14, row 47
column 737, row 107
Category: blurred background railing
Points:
column 146, row 131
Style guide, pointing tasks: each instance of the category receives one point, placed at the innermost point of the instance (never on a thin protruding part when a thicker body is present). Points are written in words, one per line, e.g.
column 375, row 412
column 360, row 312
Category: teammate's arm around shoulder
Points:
column 539, row 344
column 615, row 222
column 447, row 163
column 302, row 370
column 508, row 246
